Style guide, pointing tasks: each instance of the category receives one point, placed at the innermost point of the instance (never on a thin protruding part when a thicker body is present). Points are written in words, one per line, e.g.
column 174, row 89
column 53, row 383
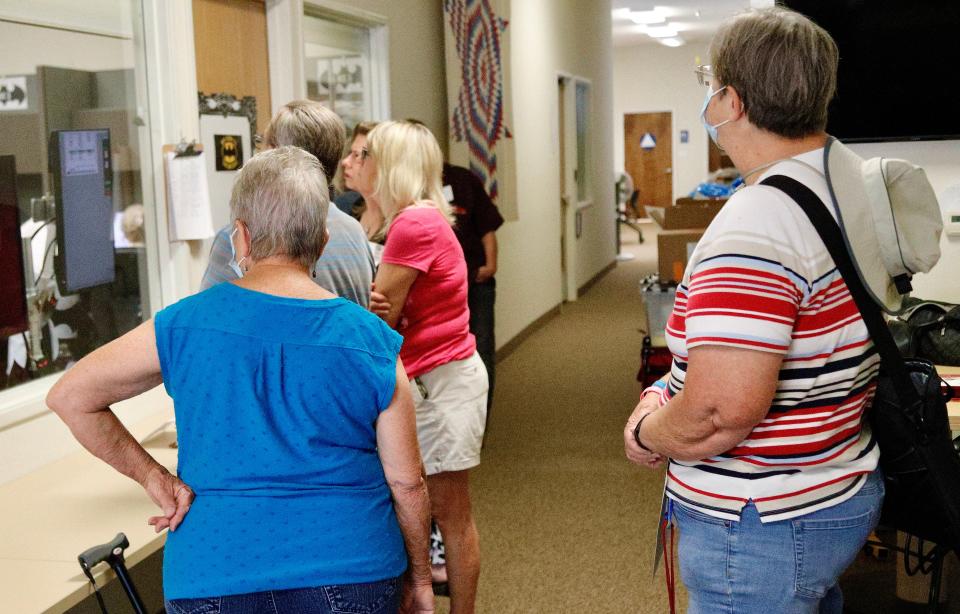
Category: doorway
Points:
column 648, row 157
column 569, row 186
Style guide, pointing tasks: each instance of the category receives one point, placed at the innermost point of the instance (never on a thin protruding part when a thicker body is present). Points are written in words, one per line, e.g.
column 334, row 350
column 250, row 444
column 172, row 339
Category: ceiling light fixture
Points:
column 645, row 18
column 666, row 31
column 623, row 13
column 671, row 42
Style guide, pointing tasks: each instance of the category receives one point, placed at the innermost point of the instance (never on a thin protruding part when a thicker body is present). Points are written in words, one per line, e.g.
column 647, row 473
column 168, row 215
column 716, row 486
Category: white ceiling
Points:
column 695, row 20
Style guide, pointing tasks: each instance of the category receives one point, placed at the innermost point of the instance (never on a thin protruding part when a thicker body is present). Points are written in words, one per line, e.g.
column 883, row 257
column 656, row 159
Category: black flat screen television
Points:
column 897, row 67
column 13, row 301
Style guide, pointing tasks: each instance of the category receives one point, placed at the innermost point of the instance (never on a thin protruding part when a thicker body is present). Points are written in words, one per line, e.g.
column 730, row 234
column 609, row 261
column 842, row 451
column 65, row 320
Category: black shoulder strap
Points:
column 829, row 231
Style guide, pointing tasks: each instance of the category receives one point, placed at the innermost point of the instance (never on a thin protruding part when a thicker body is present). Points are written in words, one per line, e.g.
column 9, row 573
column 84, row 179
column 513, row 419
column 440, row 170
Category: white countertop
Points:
column 53, row 514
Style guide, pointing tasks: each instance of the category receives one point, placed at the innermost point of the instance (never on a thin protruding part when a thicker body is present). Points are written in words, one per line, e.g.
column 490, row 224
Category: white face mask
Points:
column 711, row 128
column 234, row 265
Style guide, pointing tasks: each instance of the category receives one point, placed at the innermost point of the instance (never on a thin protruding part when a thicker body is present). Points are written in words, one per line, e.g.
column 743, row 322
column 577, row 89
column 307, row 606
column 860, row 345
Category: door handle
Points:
column 668, row 170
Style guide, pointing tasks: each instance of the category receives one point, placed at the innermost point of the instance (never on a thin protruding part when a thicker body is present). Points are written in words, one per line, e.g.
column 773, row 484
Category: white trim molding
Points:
column 285, row 47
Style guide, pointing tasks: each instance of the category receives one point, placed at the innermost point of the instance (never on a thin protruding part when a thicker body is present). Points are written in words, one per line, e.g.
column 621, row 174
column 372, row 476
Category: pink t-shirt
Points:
column 435, row 320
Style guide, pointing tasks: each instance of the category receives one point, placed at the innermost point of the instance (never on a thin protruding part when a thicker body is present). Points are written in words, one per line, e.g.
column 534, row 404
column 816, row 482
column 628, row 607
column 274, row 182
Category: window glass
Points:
column 337, row 64
column 73, row 270
column 583, row 124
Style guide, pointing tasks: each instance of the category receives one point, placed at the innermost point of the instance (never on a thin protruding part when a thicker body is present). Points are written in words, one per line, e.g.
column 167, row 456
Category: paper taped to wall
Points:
column 188, row 197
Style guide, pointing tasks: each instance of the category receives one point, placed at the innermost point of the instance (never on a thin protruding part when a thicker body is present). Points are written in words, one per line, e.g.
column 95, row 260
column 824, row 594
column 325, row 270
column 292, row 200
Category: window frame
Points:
column 288, row 79
column 585, row 176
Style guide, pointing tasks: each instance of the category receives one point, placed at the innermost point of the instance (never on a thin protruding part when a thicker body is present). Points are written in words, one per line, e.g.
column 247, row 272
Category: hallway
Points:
column 566, row 523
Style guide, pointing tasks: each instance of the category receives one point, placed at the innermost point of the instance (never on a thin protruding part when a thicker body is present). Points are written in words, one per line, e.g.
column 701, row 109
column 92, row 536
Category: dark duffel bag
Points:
column 930, row 330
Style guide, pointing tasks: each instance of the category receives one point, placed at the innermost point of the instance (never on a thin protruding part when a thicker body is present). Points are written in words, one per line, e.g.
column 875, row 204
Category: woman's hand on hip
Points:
column 171, row 495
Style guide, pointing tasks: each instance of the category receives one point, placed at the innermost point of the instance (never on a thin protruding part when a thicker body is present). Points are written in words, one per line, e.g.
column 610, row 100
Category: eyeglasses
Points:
column 704, row 74
column 259, row 143
column 358, row 155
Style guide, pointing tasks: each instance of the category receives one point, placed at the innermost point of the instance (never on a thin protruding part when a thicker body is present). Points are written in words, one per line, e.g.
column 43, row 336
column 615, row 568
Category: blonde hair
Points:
column 281, row 195
column 409, row 168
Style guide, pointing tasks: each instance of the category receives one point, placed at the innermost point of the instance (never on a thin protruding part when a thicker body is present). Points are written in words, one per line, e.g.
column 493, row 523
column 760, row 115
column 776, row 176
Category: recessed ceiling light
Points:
column 671, row 42
column 666, row 31
column 647, row 17
column 623, row 13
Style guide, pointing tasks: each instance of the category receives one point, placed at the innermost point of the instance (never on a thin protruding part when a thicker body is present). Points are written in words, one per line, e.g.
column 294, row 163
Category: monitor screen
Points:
column 13, row 301
column 83, row 189
column 896, row 63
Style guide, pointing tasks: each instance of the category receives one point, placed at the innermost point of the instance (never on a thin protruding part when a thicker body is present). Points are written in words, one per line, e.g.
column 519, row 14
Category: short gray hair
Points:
column 281, row 195
column 309, row 125
column 783, row 66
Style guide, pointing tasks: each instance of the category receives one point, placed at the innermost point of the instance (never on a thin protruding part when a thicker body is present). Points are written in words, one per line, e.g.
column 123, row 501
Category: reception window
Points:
column 74, row 171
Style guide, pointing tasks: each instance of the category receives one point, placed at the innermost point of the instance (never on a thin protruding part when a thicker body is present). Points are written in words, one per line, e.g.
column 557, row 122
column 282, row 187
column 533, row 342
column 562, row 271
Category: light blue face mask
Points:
column 711, row 128
column 234, row 265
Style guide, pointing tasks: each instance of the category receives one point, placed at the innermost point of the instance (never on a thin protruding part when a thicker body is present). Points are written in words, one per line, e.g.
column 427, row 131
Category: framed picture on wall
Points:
column 228, row 126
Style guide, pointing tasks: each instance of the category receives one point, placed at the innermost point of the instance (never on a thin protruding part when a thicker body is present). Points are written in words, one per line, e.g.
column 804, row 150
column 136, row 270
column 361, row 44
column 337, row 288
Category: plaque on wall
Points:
column 229, row 151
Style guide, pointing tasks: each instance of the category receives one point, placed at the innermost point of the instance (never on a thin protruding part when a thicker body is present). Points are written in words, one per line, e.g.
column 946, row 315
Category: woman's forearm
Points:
column 689, row 433
column 120, row 370
column 412, row 504
column 105, row 437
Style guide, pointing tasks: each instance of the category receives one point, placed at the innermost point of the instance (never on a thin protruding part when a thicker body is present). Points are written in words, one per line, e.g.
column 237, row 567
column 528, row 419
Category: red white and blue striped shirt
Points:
column 761, row 279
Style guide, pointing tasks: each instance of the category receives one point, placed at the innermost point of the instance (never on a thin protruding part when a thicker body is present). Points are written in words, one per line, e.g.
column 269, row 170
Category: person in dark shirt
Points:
column 477, row 222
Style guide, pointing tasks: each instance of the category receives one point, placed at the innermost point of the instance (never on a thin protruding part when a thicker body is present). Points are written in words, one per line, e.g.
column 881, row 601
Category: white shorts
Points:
column 451, row 403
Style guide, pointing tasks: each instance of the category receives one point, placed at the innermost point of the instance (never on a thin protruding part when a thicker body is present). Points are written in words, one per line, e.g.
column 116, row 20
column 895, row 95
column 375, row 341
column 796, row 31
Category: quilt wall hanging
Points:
column 477, row 42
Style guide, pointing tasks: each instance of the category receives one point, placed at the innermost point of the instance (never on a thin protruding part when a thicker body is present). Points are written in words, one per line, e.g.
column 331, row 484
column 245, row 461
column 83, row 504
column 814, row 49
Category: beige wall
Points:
column 551, row 37
column 652, row 78
column 417, row 80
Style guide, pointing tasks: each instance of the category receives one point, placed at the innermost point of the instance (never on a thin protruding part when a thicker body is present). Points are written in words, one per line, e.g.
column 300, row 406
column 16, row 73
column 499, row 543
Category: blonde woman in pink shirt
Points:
column 423, row 276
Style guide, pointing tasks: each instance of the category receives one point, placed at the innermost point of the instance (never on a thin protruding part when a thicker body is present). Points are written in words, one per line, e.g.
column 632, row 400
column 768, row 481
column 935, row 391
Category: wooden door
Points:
column 716, row 157
column 648, row 156
column 230, row 37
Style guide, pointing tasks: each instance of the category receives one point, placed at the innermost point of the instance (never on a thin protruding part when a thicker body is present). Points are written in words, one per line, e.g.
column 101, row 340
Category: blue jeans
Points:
column 368, row 598
column 745, row 566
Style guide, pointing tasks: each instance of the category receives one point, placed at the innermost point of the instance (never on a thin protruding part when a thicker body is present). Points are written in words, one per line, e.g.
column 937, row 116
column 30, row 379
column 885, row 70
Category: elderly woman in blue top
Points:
column 297, row 439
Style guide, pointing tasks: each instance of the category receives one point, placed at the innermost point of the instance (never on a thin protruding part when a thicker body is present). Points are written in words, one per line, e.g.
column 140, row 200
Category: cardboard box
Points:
column 686, row 200
column 689, row 215
column 682, row 226
column 673, row 250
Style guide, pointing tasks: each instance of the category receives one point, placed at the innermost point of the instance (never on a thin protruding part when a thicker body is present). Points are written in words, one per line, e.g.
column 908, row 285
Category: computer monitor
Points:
column 13, row 300
column 83, row 189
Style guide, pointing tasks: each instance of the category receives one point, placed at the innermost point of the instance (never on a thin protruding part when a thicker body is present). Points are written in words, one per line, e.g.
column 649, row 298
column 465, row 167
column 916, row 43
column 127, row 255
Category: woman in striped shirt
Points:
column 772, row 477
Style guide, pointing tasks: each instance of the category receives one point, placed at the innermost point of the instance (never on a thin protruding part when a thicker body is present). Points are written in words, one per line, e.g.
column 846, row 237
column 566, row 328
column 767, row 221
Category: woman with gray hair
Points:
column 299, row 483
column 772, row 478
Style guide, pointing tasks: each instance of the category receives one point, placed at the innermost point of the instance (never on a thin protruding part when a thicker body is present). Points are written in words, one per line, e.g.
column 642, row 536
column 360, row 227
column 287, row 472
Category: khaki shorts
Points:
column 451, row 403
